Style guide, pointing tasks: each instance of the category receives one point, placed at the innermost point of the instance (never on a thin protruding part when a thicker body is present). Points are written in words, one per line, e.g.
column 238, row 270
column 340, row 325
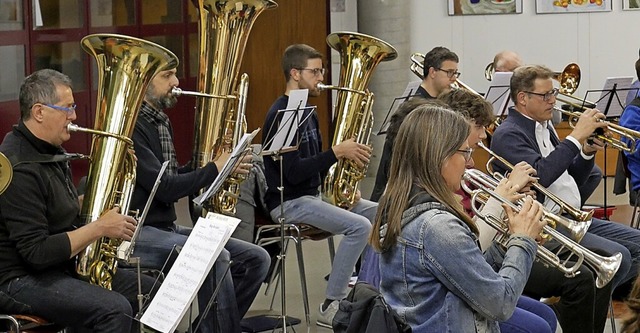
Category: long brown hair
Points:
column 427, row 137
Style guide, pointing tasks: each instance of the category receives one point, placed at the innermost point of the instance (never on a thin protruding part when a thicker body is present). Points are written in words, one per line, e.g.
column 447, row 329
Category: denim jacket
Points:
column 438, row 280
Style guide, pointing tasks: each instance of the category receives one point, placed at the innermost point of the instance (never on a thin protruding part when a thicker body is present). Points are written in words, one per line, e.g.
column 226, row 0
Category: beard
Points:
column 163, row 102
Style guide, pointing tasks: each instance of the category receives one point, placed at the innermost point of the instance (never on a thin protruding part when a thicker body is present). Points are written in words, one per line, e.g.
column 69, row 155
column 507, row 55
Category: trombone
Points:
column 576, row 214
column 568, row 80
column 605, row 268
column 417, row 67
column 599, row 134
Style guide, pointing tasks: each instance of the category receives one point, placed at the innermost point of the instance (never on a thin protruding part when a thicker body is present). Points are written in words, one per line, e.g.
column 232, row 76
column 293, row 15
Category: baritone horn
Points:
column 600, row 134
column 359, row 56
column 576, row 214
column 417, row 67
column 604, row 267
column 6, row 172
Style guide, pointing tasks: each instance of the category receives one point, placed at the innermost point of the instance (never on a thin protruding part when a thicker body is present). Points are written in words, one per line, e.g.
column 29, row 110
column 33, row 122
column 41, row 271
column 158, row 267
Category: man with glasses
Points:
column 440, row 70
column 40, row 226
column 563, row 167
column 303, row 174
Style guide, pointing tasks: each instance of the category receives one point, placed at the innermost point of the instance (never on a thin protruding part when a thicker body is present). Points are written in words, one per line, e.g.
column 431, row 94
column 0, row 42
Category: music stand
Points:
column 289, row 121
column 611, row 105
column 409, row 91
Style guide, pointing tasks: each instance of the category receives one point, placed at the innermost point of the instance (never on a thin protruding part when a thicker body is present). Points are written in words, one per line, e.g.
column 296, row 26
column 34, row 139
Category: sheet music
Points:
column 289, row 121
column 409, row 92
column 633, row 93
column 615, row 108
column 206, row 241
column 498, row 93
column 237, row 152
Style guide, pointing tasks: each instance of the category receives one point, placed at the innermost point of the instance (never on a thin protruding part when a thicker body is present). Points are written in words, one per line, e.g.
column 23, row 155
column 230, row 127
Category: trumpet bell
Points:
column 6, row 172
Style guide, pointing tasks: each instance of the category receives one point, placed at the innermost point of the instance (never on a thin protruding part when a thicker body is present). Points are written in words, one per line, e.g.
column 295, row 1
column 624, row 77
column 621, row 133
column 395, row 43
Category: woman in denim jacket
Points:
column 432, row 270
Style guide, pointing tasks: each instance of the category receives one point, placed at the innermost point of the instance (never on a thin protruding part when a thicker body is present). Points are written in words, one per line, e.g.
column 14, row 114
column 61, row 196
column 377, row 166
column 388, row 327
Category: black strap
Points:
column 44, row 159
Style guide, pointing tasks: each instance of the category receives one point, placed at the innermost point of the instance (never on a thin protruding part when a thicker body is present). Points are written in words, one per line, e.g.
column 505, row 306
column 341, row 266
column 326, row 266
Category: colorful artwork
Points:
column 572, row 6
column 481, row 7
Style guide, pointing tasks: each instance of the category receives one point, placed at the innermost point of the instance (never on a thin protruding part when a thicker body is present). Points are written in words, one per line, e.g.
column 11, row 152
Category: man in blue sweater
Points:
column 631, row 120
column 562, row 167
column 304, row 170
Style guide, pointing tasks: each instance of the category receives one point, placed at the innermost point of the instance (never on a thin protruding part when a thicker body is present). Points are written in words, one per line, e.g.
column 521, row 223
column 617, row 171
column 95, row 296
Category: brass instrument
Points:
column 489, row 70
column 569, row 79
column 6, row 172
column 359, row 55
column 576, row 214
column 126, row 65
column 623, row 132
column 417, row 67
column 605, row 268
column 224, row 28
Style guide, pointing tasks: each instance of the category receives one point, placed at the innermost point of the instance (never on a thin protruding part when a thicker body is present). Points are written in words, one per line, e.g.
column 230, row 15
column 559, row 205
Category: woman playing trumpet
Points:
column 433, row 272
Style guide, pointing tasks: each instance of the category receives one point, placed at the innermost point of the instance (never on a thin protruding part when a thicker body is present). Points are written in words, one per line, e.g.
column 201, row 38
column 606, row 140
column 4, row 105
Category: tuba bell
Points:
column 224, row 28
column 359, row 56
column 6, row 172
column 126, row 65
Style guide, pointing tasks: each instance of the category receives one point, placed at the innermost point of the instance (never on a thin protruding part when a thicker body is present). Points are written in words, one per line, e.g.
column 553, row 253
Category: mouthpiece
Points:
column 176, row 91
column 73, row 127
column 321, row 86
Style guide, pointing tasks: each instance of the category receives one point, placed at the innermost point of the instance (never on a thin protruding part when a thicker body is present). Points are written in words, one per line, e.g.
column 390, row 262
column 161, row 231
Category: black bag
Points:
column 365, row 311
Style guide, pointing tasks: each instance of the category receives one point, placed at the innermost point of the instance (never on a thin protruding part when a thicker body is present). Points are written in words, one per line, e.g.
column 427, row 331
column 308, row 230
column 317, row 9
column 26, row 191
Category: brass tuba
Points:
column 359, row 55
column 224, row 28
column 6, row 172
column 126, row 65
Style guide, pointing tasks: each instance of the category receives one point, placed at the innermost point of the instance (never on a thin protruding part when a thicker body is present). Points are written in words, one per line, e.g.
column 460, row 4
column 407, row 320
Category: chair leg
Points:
column 332, row 249
column 634, row 222
column 303, row 280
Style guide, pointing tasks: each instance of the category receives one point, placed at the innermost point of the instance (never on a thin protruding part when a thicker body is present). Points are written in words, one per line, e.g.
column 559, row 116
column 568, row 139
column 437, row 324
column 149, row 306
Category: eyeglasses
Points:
column 68, row 110
column 450, row 72
column 315, row 71
column 466, row 153
column 546, row 96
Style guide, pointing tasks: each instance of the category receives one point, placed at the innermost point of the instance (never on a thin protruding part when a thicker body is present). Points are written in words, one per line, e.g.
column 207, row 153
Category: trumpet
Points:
column 623, row 132
column 576, row 214
column 605, row 268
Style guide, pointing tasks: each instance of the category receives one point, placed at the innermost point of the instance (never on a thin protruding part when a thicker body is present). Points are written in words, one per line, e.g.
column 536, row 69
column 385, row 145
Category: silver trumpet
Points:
column 605, row 268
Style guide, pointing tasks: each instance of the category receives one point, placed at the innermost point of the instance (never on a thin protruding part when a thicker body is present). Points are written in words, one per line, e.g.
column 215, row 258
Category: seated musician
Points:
column 40, row 231
column 563, row 167
column 303, row 172
column 153, row 143
column 631, row 119
column 433, row 272
column 440, row 70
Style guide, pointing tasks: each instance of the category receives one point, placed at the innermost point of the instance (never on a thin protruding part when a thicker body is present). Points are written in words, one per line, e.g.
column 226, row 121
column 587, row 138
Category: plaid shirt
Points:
column 161, row 120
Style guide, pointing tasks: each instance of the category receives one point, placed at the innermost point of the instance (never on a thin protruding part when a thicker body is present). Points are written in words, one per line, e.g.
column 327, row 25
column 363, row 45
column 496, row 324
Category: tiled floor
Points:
column 317, row 265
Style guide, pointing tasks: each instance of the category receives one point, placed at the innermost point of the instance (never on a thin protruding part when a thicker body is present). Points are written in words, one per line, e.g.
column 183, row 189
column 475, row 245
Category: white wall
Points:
column 604, row 44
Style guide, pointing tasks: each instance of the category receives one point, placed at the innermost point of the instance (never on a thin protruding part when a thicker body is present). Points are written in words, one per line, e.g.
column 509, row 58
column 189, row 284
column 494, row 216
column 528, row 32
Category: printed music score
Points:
column 195, row 260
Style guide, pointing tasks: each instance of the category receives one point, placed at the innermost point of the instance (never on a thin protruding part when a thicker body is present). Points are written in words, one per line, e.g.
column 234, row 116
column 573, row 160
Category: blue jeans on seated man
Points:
column 354, row 224
column 239, row 287
column 65, row 300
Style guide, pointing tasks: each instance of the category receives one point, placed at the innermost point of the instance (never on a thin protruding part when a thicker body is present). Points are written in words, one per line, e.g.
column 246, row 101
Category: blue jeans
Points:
column 250, row 264
column 354, row 224
column 66, row 300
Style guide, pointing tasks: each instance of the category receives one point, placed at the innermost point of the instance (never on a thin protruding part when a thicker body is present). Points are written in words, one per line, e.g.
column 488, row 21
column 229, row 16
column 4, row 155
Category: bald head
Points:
column 507, row 61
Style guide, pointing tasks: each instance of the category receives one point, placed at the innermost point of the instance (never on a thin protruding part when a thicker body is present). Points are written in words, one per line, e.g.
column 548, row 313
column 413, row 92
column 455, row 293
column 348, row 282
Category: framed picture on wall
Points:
column 572, row 6
column 482, row 7
column 631, row 4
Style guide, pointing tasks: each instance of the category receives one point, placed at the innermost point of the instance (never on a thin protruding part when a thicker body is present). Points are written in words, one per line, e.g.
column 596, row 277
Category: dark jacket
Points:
column 162, row 213
column 37, row 209
column 365, row 311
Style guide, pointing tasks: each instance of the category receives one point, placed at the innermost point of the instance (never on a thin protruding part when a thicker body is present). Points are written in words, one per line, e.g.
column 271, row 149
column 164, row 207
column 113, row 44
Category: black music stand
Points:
column 285, row 133
column 409, row 92
column 498, row 96
column 612, row 106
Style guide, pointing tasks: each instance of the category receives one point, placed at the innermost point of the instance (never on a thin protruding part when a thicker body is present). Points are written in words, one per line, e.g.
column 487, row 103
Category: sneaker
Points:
column 325, row 318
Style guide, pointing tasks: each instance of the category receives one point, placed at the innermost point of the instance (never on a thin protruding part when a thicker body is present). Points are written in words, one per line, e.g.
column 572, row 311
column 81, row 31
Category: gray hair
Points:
column 40, row 87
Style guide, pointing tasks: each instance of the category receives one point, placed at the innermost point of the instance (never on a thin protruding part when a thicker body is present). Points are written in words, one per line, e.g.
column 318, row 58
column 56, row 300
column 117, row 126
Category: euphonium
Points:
column 224, row 28
column 359, row 55
column 604, row 267
column 126, row 65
